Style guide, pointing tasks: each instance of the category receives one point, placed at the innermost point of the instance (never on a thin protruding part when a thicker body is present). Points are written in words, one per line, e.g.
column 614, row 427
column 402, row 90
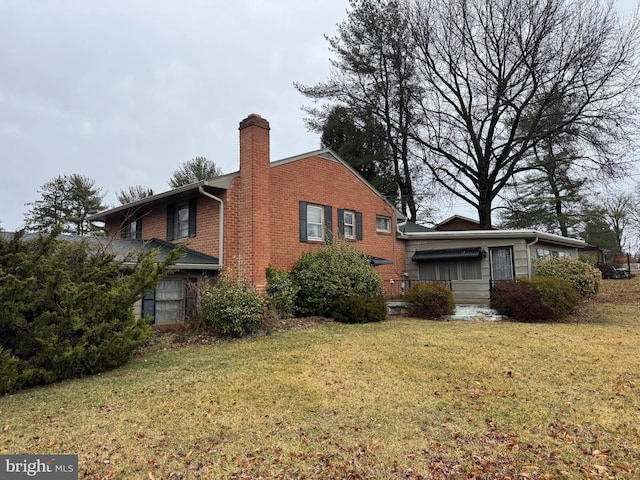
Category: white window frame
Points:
column 349, row 227
column 311, row 235
column 387, row 222
column 182, row 220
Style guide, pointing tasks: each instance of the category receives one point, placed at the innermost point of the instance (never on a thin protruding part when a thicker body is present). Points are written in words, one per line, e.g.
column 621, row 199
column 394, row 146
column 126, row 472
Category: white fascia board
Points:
column 495, row 234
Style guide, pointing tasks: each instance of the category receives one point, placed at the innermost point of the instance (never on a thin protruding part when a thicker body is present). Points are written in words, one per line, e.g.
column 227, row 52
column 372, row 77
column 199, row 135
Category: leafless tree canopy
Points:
column 486, row 64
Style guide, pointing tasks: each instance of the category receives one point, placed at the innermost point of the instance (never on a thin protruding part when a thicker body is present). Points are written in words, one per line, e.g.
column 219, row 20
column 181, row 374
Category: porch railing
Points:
column 395, row 289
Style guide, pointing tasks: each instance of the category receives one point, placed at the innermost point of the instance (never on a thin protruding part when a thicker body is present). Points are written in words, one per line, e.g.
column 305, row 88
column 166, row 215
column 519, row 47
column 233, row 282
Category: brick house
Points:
column 267, row 213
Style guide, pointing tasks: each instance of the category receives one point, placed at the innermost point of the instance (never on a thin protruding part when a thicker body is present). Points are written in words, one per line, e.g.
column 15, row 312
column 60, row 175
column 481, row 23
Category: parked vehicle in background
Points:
column 611, row 272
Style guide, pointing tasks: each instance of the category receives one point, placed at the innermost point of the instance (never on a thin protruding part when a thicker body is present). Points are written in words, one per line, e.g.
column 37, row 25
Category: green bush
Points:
column 332, row 273
column 520, row 301
column 557, row 295
column 67, row 309
column 537, row 300
column 282, row 292
column 360, row 309
column 232, row 309
column 584, row 278
column 429, row 300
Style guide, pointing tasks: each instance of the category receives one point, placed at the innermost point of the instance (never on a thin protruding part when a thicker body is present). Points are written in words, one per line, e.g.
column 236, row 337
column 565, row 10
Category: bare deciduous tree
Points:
column 484, row 64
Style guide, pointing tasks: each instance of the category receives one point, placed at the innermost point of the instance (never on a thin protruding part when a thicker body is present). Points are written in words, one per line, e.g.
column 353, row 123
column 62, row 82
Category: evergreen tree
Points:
column 362, row 147
column 374, row 79
column 133, row 193
column 194, row 170
column 66, row 201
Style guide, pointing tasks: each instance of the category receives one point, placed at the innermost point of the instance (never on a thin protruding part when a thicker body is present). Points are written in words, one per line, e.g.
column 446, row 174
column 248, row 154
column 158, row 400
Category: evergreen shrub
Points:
column 519, row 300
column 360, row 309
column 67, row 308
column 232, row 309
column 332, row 273
column 281, row 292
column 557, row 295
column 429, row 300
column 584, row 278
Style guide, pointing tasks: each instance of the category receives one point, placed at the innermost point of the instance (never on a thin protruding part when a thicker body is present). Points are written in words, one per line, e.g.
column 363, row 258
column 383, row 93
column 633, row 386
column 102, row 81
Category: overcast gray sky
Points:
column 125, row 91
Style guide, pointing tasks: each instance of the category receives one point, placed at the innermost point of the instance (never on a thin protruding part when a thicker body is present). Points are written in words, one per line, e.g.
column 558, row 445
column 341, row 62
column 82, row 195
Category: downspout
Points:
column 403, row 286
column 529, row 245
column 221, row 229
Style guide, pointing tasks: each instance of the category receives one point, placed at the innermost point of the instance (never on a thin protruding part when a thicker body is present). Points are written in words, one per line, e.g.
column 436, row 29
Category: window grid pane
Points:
column 314, row 222
column 182, row 229
column 383, row 224
column 349, row 230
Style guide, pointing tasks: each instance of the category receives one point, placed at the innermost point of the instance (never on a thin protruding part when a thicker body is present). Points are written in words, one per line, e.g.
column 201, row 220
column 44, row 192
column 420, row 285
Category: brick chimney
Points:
column 254, row 232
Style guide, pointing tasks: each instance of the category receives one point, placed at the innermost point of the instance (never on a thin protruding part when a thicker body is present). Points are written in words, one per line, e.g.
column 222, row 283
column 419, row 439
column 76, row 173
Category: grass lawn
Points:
column 402, row 399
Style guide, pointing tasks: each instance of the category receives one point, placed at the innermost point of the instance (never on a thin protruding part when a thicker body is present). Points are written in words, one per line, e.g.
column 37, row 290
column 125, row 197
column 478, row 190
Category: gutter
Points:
column 221, row 226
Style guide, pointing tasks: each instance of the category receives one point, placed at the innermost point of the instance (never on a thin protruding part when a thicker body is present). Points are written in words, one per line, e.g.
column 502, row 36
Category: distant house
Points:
column 266, row 213
column 458, row 223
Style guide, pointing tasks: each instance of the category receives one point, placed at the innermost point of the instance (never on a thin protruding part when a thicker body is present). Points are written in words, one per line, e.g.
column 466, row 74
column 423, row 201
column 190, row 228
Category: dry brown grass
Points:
column 397, row 400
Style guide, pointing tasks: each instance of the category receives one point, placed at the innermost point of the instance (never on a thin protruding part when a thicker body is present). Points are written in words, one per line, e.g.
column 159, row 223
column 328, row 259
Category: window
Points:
column 350, row 224
column 181, row 220
column 132, row 228
column 348, row 219
column 170, row 302
column 315, row 222
column 383, row 224
column 545, row 253
column 461, row 269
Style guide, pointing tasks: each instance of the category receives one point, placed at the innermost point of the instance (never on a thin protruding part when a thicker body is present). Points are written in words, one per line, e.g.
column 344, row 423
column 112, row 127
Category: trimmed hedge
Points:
column 519, row 301
column 537, row 300
column 360, row 309
column 429, row 300
column 584, row 278
column 232, row 309
column 331, row 274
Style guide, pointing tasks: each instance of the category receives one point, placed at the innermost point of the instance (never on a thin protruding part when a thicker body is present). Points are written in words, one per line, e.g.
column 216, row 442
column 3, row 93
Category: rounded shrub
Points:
column 519, row 300
column 557, row 295
column 330, row 274
column 232, row 309
column 360, row 309
column 584, row 278
column 429, row 300
column 282, row 292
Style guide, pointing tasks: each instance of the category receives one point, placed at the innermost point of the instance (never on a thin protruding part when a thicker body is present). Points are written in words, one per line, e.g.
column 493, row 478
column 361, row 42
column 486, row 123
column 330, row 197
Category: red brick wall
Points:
column 262, row 211
column 253, row 231
column 327, row 182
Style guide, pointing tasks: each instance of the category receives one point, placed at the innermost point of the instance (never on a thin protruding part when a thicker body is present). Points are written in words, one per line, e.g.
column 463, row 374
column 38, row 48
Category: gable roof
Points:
column 223, row 182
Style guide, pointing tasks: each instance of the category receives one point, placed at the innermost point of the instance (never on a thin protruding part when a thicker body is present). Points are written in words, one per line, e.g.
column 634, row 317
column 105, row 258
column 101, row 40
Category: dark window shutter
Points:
column 303, row 221
column 139, row 227
column 328, row 223
column 358, row 225
column 171, row 214
column 341, row 222
column 192, row 217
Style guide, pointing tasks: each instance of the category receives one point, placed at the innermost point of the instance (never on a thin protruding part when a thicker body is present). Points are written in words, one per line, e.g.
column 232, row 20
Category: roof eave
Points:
column 494, row 234
column 222, row 183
